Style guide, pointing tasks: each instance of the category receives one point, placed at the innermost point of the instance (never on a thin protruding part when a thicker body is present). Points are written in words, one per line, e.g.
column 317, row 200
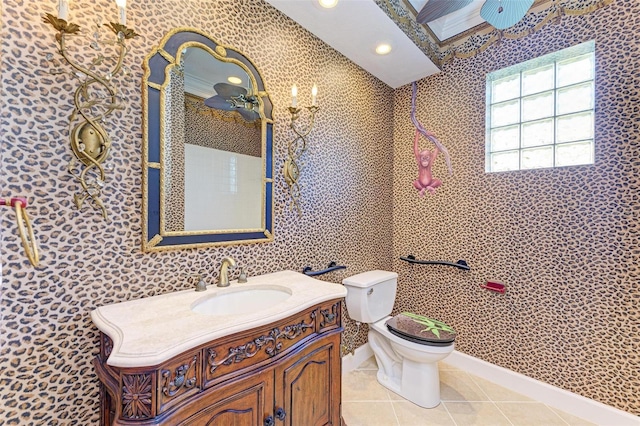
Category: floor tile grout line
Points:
column 473, row 379
column 490, row 400
column 530, row 402
column 558, row 415
column 449, row 413
column 371, row 400
column 393, row 408
column 480, row 387
column 470, row 376
column 502, row 412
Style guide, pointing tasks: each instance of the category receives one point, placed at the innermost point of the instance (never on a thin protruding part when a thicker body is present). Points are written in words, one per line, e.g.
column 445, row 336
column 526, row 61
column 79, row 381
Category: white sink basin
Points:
column 241, row 300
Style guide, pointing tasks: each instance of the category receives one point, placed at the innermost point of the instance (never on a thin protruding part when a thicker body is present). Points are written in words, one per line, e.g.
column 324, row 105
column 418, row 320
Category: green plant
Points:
column 432, row 325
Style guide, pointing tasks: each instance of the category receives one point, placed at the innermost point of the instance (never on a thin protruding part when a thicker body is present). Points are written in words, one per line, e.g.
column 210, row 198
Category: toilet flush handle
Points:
column 370, row 292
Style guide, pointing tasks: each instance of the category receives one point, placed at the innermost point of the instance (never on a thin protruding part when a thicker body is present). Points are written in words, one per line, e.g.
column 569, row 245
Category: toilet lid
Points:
column 420, row 329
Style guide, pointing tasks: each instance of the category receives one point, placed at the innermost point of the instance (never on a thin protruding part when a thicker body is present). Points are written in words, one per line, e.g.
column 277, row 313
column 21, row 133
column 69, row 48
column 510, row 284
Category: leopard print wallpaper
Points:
column 564, row 241
column 175, row 135
column 225, row 130
column 47, row 340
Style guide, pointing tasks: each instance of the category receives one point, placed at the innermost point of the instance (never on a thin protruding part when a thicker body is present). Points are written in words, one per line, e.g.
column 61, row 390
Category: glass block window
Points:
column 540, row 113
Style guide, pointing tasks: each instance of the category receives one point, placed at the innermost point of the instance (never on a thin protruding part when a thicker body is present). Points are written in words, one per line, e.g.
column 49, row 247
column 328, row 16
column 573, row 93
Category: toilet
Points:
column 406, row 349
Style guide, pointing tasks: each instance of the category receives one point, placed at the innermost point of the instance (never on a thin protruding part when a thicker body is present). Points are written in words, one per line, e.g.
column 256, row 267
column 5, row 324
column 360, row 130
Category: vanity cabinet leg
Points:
column 107, row 407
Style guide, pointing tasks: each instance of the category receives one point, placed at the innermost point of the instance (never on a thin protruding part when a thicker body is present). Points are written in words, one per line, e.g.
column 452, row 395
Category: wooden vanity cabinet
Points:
column 305, row 388
column 284, row 373
column 246, row 402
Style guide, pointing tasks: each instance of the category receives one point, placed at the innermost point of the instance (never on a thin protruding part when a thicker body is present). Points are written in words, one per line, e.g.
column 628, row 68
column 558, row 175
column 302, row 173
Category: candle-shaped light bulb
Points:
column 294, row 96
column 63, row 9
column 314, row 95
column 122, row 11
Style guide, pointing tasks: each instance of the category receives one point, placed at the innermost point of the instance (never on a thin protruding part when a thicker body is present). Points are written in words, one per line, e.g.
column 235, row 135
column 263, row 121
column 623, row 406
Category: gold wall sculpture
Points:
column 297, row 146
column 94, row 100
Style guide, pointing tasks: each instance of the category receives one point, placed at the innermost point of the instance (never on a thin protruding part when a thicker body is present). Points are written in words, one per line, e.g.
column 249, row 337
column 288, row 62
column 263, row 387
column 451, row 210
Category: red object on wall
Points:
column 494, row 286
column 12, row 201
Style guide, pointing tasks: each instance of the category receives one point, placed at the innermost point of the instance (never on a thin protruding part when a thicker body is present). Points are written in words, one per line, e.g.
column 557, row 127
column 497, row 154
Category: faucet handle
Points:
column 243, row 276
column 201, row 285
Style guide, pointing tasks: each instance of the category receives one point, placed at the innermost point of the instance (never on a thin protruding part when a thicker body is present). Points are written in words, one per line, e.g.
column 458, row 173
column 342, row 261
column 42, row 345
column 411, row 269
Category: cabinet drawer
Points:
column 230, row 358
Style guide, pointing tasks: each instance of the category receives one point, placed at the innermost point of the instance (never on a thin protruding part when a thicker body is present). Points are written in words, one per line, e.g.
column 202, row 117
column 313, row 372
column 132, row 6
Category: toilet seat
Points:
column 381, row 327
column 421, row 330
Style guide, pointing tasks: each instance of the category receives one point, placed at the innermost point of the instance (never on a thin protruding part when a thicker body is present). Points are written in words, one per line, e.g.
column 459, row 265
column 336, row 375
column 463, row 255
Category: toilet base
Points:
column 406, row 368
column 420, row 383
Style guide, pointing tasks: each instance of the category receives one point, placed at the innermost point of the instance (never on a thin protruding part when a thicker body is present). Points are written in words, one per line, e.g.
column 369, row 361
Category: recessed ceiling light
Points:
column 234, row 80
column 328, row 3
column 383, row 48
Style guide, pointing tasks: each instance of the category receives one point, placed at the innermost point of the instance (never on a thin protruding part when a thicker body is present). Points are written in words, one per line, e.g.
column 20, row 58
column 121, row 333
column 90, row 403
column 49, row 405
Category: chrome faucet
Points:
column 227, row 262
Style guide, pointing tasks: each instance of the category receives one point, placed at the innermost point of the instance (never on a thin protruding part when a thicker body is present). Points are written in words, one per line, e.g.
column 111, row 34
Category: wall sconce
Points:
column 24, row 227
column 298, row 146
column 95, row 99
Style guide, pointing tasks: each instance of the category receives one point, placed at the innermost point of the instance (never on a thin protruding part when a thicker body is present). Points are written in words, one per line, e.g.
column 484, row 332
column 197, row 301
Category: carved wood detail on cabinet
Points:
column 284, row 373
column 107, row 345
column 178, row 380
column 137, row 396
column 330, row 316
column 220, row 358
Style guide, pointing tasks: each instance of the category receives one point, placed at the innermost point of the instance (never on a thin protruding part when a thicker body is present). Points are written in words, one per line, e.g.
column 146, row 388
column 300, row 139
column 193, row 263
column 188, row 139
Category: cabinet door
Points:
column 308, row 387
column 245, row 403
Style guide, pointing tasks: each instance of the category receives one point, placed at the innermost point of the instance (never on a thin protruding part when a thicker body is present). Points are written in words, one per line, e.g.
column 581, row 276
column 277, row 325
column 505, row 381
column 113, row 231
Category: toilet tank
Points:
column 370, row 295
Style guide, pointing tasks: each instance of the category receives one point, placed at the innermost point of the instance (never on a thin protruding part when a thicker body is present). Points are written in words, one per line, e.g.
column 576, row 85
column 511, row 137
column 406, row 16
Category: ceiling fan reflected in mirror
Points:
column 501, row 14
column 234, row 98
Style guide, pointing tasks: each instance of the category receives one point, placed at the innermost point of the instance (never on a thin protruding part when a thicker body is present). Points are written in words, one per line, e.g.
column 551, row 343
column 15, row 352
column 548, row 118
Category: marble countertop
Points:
column 152, row 330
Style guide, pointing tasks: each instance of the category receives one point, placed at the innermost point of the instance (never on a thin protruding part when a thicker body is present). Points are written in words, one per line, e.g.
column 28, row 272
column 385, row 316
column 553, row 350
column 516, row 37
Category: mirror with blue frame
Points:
column 208, row 146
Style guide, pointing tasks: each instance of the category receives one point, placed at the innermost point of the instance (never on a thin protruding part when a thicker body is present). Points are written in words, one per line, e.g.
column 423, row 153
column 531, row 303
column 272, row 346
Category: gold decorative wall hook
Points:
column 94, row 100
column 24, row 228
column 297, row 147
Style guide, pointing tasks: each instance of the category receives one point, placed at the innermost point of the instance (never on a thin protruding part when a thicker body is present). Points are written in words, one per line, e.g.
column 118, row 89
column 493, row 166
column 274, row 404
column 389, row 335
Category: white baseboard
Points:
column 352, row 361
column 555, row 397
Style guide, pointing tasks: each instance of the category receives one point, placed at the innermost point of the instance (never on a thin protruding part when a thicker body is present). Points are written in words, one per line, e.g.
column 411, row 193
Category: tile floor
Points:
column 466, row 400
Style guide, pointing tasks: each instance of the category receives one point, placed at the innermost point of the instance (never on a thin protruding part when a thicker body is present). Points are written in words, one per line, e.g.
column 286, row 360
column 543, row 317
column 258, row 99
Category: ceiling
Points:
column 202, row 71
column 356, row 27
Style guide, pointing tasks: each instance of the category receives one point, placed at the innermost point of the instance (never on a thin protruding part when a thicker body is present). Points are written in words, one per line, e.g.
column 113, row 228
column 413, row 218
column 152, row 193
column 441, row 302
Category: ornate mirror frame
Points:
column 157, row 71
